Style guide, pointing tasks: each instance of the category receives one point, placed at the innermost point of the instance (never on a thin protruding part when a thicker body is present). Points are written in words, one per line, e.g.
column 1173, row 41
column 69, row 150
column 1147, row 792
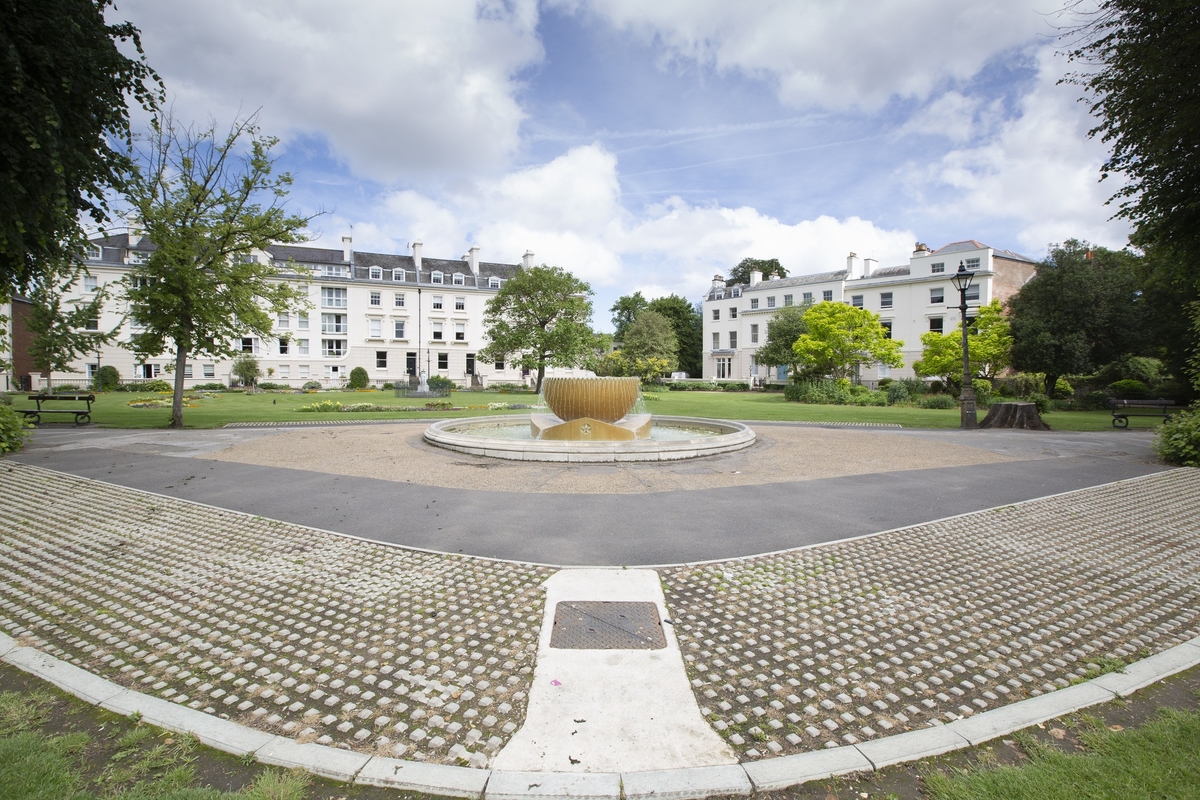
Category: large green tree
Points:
column 62, row 330
column 769, row 267
column 989, row 344
column 841, row 337
column 625, row 311
column 539, row 318
column 650, row 346
column 1141, row 72
column 65, row 87
column 783, row 330
column 1080, row 311
column 688, row 326
column 208, row 200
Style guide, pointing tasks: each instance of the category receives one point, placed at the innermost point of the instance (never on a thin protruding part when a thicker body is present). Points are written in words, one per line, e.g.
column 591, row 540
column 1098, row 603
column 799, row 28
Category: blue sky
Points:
column 647, row 146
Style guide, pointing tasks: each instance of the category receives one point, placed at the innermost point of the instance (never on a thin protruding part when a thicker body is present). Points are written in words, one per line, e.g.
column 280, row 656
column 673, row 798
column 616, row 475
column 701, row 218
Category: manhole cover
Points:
column 607, row 626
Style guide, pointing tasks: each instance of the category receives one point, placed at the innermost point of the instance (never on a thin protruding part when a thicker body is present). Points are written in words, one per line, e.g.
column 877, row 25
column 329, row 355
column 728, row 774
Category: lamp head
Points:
column 962, row 279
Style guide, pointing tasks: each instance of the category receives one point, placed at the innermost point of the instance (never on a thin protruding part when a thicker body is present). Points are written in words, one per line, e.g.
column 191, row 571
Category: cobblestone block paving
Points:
column 851, row 641
column 298, row 632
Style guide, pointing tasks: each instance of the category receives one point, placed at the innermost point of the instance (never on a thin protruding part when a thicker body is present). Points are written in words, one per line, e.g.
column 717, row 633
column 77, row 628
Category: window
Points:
column 93, row 252
column 724, row 368
column 333, row 298
column 500, row 366
column 856, row 300
column 737, row 292
column 459, row 280
column 827, row 295
column 302, row 347
column 807, row 297
column 410, row 363
column 333, row 271
column 437, row 331
column 938, row 268
column 138, row 257
column 885, row 299
column 333, row 371
column 887, row 328
column 937, row 296
column 248, row 345
column 443, row 361
column 716, row 341
column 398, row 329
column 381, row 359
column 333, row 348
column 376, row 298
column 92, row 324
column 436, row 277
column 972, row 263
column 283, row 321
column 733, row 313
column 460, row 332
column 302, row 322
column 209, row 370
column 398, row 300
column 787, row 300
column 375, row 273
column 470, row 363
column 753, row 303
column 935, row 324
column 91, row 283
column 733, row 340
column 493, row 283
column 284, row 344
column 375, row 328
column 460, row 304
column 285, row 371
column 437, row 302
column 771, row 302
column 334, row 323
column 716, row 315
column 302, row 370
column 398, row 275
column 753, row 334
column 187, row 370
column 884, row 371
column 972, row 293
column 247, row 258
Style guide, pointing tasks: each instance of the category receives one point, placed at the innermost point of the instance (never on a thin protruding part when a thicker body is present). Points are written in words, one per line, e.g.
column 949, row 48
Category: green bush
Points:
column 272, row 386
column 108, row 379
column 897, row 392
column 884, row 383
column 1044, row 404
column 211, row 387
column 14, row 430
column 311, row 386
column 1178, row 439
column 438, row 383
column 1094, row 401
column 359, row 378
column 1129, row 389
column 150, row 386
column 1062, row 389
column 983, row 392
column 936, row 387
column 942, row 401
column 389, row 385
column 5, row 399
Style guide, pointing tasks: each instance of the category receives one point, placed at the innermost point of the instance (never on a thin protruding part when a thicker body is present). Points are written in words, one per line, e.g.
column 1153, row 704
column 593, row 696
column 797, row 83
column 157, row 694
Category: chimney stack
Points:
column 416, row 248
column 527, row 259
column 473, row 259
column 853, row 266
column 755, row 277
column 347, row 251
column 869, row 267
column 920, row 250
column 718, row 282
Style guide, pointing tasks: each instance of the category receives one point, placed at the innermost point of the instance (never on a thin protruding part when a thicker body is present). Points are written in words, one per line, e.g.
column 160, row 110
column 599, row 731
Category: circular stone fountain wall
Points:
column 690, row 437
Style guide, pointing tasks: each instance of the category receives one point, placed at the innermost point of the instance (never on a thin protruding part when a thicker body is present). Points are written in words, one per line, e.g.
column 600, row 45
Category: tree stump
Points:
column 1014, row 415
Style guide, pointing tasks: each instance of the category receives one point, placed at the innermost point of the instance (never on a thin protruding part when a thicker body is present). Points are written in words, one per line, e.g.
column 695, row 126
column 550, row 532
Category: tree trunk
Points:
column 1051, row 382
column 177, row 399
column 541, row 374
column 1023, row 416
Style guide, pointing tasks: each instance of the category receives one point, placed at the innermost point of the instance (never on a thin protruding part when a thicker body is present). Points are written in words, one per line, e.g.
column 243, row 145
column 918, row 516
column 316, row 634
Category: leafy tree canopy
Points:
column 783, row 330
column 64, row 92
column 989, row 345
column 769, row 267
column 841, row 337
column 651, row 340
column 540, row 318
column 625, row 311
column 206, row 200
column 61, row 332
column 1080, row 311
column 246, row 369
column 689, row 331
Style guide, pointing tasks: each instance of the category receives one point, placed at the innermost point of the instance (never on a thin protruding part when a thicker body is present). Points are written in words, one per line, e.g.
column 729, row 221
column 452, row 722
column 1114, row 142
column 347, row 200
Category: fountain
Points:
column 590, row 419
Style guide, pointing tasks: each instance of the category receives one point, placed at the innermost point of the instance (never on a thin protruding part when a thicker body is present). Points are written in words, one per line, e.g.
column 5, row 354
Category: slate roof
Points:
column 972, row 244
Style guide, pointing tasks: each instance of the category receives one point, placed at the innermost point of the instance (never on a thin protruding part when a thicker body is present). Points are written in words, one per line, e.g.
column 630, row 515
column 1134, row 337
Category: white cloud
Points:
column 398, row 88
column 848, row 54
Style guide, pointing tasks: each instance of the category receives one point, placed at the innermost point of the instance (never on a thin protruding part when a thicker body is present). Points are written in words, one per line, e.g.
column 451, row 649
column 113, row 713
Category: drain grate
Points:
column 607, row 626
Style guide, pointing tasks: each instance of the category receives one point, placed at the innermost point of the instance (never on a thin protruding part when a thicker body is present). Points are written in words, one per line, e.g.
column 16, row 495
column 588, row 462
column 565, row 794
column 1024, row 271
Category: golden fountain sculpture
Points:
column 590, row 409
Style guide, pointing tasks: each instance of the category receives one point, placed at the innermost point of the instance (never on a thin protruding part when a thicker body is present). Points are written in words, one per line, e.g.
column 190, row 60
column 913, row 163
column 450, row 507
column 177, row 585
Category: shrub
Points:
column 150, row 386
column 246, row 369
column 359, row 378
column 915, row 386
column 311, row 386
column 1043, row 403
column 438, row 383
column 324, row 405
column 936, row 387
column 1062, row 389
column 14, row 430
column 273, row 386
column 884, row 383
column 1094, row 401
column 389, row 385
column 5, row 399
column 1129, row 389
column 942, row 401
column 1178, row 439
column 897, row 393
column 108, row 379
column 439, row 405
column 983, row 392
column 67, row 387
column 211, row 387
column 821, row 392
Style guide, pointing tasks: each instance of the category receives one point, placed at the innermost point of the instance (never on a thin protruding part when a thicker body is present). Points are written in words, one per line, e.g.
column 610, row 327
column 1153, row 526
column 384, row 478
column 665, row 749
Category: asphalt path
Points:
column 585, row 529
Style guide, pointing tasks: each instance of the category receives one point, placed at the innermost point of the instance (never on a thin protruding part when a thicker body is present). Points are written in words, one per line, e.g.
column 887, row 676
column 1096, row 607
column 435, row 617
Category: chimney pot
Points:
column 853, row 266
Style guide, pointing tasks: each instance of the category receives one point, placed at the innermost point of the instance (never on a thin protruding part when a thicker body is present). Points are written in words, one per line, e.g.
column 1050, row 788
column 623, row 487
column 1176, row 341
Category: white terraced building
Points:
column 910, row 300
column 393, row 315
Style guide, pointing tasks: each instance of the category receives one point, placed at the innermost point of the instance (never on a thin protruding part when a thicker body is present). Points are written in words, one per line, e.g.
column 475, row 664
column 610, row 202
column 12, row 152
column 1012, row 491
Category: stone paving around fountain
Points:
column 384, row 650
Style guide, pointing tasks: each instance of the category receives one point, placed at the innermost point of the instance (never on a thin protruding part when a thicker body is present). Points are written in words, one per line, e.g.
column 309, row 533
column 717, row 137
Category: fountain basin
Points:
column 690, row 437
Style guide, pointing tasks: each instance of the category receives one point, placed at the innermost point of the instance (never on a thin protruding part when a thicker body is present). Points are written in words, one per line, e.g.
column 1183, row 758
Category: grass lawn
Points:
column 213, row 411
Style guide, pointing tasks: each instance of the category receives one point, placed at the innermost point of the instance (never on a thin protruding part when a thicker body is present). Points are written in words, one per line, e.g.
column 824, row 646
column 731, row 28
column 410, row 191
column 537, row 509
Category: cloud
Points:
column 398, row 88
column 835, row 55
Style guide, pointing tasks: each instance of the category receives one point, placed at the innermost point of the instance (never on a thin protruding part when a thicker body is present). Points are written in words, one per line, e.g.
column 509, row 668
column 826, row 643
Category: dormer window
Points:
column 493, row 283
column 459, row 280
column 437, row 277
column 247, row 258
column 398, row 275
column 138, row 257
column 375, row 273
column 973, row 263
column 93, row 252
column 737, row 291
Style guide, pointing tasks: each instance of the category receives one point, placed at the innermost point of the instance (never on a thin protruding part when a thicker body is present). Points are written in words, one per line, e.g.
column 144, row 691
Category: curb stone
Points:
column 768, row 774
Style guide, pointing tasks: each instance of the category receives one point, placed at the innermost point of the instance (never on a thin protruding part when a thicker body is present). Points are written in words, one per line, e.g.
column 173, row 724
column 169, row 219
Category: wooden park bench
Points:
column 1121, row 410
column 82, row 415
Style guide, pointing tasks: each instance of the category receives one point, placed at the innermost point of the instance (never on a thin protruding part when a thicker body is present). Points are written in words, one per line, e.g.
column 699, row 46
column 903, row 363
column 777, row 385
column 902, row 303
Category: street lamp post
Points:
column 962, row 281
